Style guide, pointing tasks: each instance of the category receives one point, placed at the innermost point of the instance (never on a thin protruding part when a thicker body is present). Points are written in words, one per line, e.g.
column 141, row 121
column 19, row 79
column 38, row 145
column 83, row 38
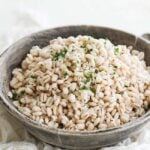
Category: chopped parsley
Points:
column 88, row 74
column 93, row 89
column 126, row 86
column 65, row 74
column 116, row 50
column 78, row 61
column 84, row 88
column 33, row 76
column 86, row 49
column 14, row 96
column 89, row 88
column 61, row 54
column 96, row 70
column 87, row 80
column 89, row 77
column 114, row 73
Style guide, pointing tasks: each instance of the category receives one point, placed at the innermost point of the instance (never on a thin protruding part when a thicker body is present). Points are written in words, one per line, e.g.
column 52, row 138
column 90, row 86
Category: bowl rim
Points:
column 26, row 120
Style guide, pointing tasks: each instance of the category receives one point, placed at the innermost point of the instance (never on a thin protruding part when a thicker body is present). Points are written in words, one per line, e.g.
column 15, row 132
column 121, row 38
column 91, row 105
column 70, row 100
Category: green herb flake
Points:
column 84, row 88
column 86, row 49
column 88, row 88
column 33, row 76
column 116, row 50
column 83, row 46
column 61, row 54
column 87, row 80
column 78, row 61
column 126, row 86
column 15, row 96
column 65, row 74
column 93, row 89
column 96, row 70
column 88, row 74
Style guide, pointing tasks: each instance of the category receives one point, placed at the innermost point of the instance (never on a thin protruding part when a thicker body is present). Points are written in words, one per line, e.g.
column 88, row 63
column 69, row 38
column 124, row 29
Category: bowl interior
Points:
column 15, row 54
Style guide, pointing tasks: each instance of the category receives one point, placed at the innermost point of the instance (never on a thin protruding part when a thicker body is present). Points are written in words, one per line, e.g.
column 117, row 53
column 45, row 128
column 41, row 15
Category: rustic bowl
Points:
column 13, row 56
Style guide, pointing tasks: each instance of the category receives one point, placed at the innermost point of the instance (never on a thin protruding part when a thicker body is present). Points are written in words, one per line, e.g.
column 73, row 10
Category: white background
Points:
column 129, row 15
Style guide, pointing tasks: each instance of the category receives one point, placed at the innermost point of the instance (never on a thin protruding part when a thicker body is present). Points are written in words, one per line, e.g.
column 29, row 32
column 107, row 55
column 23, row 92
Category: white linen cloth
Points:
column 13, row 136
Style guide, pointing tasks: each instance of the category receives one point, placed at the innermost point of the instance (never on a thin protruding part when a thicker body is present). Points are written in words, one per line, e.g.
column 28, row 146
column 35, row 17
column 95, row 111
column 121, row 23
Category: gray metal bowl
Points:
column 13, row 56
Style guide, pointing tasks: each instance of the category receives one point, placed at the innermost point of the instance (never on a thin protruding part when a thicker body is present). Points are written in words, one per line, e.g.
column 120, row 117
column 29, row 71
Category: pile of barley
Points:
column 81, row 83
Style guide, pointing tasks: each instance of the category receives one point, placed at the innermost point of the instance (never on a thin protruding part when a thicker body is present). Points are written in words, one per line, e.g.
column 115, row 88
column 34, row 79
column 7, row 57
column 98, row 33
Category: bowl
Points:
column 12, row 58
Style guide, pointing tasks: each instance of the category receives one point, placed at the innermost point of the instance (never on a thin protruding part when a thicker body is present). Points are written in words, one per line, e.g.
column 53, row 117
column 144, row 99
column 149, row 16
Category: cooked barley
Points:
column 82, row 83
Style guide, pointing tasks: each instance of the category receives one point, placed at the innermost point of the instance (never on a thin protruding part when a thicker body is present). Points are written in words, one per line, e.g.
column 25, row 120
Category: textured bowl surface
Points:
column 13, row 56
